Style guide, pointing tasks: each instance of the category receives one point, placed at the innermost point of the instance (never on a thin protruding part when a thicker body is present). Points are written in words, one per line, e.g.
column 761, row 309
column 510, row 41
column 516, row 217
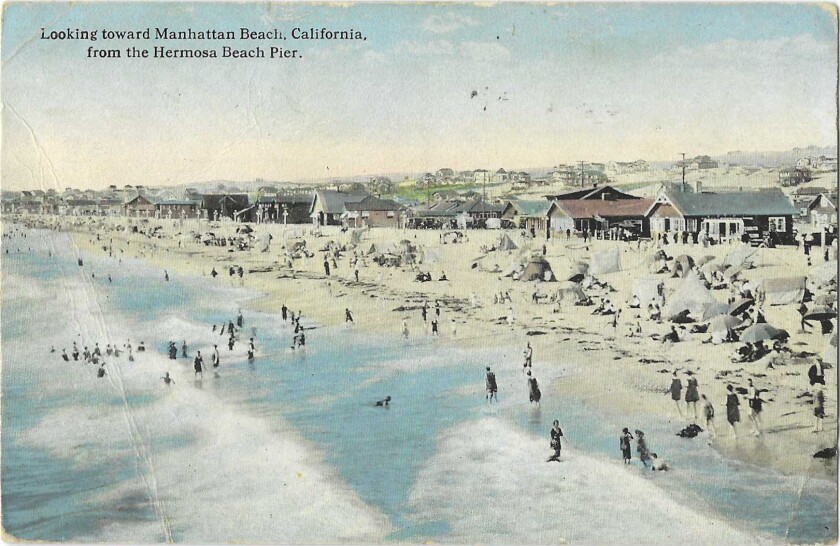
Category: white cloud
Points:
column 450, row 22
column 485, row 51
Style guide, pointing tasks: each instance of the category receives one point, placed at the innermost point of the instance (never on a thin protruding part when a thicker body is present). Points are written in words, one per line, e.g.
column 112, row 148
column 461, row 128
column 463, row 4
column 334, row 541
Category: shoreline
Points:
column 633, row 387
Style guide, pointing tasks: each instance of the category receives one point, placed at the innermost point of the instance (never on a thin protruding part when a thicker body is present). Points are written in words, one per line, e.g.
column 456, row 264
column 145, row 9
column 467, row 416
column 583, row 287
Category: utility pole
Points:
column 683, row 172
column 581, row 173
column 483, row 194
column 428, row 193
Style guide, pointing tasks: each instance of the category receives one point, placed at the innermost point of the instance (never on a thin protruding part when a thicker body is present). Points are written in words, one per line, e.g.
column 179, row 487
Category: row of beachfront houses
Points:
column 719, row 214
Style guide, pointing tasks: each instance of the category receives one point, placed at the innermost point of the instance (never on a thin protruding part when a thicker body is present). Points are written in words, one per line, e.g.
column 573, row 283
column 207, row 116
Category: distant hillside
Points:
column 775, row 159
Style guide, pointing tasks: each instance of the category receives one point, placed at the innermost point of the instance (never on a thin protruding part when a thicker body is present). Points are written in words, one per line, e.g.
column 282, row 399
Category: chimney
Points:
column 698, row 186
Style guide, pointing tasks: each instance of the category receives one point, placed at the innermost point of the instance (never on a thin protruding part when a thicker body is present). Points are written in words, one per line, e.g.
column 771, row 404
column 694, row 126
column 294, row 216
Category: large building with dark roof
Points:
column 725, row 215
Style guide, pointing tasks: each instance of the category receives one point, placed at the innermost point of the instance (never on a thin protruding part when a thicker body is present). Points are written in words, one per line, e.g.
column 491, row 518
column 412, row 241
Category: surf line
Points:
column 140, row 447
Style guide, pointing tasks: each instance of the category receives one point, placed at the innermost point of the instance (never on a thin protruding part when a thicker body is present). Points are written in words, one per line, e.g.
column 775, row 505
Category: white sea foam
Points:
column 491, row 484
column 228, row 477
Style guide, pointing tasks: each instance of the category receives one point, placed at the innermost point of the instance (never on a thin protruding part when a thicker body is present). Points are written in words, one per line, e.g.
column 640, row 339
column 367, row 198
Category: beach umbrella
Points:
column 578, row 272
column 731, row 272
column 704, row 260
column 714, row 310
column 820, row 312
column 722, row 323
column 825, row 299
column 244, row 229
column 739, row 306
column 686, row 261
column 761, row 332
column 711, row 268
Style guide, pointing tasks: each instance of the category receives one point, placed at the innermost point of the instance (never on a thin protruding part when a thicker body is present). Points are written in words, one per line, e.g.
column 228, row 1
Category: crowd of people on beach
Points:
column 745, row 308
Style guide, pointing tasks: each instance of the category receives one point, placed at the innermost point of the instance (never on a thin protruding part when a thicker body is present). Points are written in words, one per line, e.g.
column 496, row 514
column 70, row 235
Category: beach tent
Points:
column 372, row 249
column 357, row 235
column 606, row 261
column 691, row 295
column 505, row 243
column 823, row 274
column 783, row 290
column 569, row 293
column 647, row 290
column 740, row 257
column 715, row 310
column 537, row 269
column 513, row 267
column 682, row 265
column 265, row 241
column 431, row 256
column 829, row 356
column 578, row 272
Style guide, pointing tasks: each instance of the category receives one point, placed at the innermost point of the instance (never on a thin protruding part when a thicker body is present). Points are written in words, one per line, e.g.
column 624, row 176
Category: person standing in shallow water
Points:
column 556, row 433
column 624, row 444
column 642, row 448
column 733, row 414
column 709, row 414
column 692, row 396
column 198, row 364
column 675, row 390
column 492, row 388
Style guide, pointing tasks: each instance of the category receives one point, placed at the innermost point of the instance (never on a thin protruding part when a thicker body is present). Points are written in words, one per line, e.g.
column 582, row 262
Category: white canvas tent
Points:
column 783, row 290
column 569, row 293
column 538, row 269
column 647, row 290
column 740, row 257
column 505, row 243
column 691, row 295
column 823, row 274
column 606, row 261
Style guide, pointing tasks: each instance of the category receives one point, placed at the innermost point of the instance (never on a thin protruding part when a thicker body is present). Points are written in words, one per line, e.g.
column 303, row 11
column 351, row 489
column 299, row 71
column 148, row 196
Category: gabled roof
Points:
column 139, row 199
column 827, row 201
column 740, row 203
column 334, row 201
column 476, row 206
column 530, row 209
column 372, row 203
column 293, row 198
column 621, row 208
column 590, row 193
column 178, row 202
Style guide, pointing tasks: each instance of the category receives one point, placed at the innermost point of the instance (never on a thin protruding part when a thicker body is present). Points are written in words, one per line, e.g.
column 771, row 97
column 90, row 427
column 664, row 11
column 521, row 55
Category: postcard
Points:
column 385, row 273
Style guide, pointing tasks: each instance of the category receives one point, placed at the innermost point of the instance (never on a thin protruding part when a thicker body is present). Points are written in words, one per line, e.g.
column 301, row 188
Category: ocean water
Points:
column 383, row 467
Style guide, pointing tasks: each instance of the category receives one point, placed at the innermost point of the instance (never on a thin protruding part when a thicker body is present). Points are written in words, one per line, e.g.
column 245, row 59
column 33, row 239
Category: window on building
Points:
column 391, row 214
column 777, row 223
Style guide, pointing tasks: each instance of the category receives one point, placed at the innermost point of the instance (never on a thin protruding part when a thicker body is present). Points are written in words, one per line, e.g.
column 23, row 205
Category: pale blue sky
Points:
column 559, row 83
